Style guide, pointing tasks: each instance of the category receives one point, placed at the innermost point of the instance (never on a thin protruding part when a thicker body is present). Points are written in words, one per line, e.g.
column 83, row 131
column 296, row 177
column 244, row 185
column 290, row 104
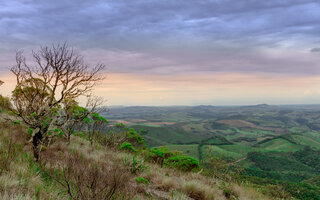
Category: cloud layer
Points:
column 178, row 36
column 172, row 38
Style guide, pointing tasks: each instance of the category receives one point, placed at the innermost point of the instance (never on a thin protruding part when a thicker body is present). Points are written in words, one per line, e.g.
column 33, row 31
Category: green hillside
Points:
column 271, row 144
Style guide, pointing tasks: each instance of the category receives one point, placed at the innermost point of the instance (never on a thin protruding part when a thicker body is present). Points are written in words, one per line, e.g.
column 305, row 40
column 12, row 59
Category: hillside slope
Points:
column 80, row 171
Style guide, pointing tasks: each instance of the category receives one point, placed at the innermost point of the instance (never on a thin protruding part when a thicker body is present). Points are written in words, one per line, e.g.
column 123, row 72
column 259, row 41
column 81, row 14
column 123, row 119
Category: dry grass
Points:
column 86, row 179
column 98, row 172
column 198, row 190
column 247, row 193
column 20, row 178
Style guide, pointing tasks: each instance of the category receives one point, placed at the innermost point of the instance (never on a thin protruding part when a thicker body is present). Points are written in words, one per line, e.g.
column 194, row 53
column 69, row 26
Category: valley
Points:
column 278, row 143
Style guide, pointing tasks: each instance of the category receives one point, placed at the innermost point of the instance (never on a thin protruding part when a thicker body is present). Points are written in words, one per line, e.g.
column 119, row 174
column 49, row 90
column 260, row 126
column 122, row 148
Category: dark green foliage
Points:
column 171, row 134
column 97, row 117
column 285, row 190
column 314, row 181
column 128, row 147
column 276, row 162
column 143, row 131
column 303, row 191
column 159, row 154
column 247, row 139
column 16, row 122
column 219, row 126
column 120, row 125
column 292, row 176
column 309, row 157
column 217, row 140
column 142, row 180
column 132, row 134
column 184, row 163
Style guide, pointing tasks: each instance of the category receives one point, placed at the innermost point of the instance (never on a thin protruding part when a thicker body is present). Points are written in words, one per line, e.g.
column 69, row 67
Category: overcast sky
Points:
column 173, row 52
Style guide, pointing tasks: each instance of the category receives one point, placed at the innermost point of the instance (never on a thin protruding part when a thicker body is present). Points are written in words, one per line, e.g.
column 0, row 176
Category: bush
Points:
column 133, row 134
column 159, row 154
column 184, row 163
column 142, row 180
column 128, row 146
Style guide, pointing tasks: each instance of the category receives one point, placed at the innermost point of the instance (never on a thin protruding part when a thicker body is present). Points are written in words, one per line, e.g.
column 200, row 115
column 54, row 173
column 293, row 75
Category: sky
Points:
column 178, row 52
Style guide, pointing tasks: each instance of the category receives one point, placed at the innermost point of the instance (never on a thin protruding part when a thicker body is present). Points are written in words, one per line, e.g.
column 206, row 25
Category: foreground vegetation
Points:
column 79, row 170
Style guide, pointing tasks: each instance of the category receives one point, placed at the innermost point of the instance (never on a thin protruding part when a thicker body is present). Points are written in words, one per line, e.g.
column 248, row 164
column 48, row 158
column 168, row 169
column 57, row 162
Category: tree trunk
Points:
column 36, row 140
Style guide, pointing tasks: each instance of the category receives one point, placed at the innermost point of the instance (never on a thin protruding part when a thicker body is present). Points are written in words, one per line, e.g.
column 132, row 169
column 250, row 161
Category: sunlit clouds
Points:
column 178, row 52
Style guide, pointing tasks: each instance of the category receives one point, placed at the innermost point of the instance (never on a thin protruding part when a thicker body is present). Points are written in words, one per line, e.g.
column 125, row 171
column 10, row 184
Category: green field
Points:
column 270, row 142
column 280, row 144
column 190, row 150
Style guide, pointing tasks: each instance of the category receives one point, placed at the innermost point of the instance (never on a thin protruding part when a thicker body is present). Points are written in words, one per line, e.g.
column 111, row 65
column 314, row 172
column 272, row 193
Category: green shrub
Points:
column 120, row 125
column 128, row 146
column 184, row 163
column 132, row 134
column 162, row 152
column 142, row 180
column 16, row 122
column 143, row 131
column 159, row 154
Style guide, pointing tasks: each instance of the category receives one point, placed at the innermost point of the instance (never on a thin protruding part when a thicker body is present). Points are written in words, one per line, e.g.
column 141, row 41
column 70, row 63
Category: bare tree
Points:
column 43, row 91
column 1, row 82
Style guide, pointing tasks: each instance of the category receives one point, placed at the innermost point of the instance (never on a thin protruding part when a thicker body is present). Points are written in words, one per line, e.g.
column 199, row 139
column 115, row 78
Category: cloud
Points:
column 315, row 50
column 133, row 21
column 171, row 36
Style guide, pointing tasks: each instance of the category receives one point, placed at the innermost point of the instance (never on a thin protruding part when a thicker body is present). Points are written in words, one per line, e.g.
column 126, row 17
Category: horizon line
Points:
column 240, row 105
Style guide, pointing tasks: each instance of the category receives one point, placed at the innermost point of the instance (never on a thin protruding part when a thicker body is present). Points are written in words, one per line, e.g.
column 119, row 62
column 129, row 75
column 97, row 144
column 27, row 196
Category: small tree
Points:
column 1, row 82
column 43, row 92
column 96, row 125
column 77, row 116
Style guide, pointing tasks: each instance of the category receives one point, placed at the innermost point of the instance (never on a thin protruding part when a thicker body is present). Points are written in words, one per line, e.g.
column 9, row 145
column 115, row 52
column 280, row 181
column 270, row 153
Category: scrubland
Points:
column 79, row 170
